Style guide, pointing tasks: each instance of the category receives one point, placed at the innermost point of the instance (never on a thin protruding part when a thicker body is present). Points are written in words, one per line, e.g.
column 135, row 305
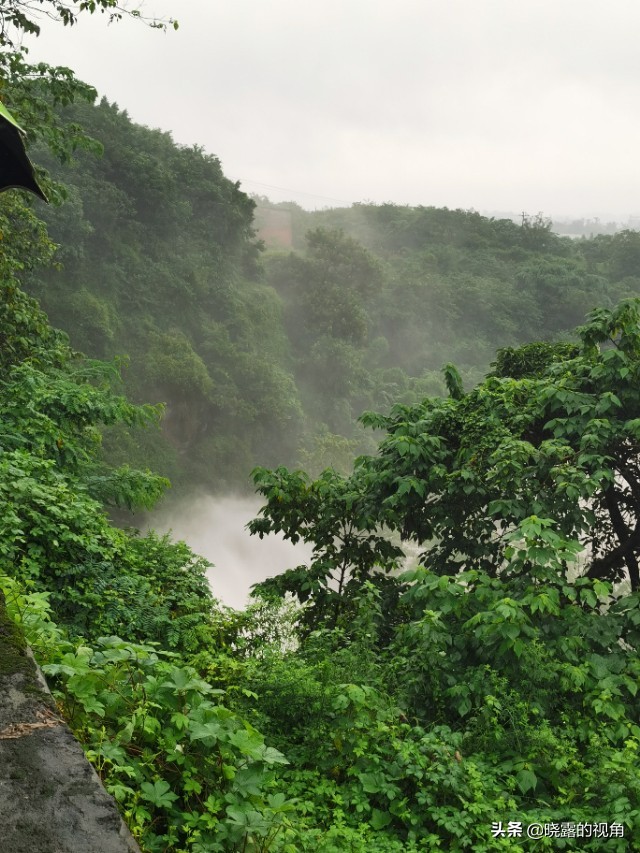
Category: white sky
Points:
column 497, row 105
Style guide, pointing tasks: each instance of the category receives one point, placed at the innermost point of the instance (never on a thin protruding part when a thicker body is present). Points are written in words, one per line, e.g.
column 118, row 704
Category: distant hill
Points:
column 267, row 329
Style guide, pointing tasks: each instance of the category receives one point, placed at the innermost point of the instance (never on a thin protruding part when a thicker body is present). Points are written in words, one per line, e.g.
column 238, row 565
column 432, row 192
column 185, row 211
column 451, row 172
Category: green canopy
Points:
column 16, row 170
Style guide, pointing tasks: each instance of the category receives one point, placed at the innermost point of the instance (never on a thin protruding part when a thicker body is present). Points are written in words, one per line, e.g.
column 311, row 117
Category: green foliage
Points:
column 31, row 613
column 459, row 474
column 187, row 772
column 453, row 382
column 19, row 17
column 487, row 683
column 625, row 255
column 145, row 588
column 530, row 360
column 495, row 699
column 331, row 513
column 172, row 364
column 328, row 450
column 159, row 261
column 35, row 94
column 495, row 680
column 536, row 678
column 500, row 677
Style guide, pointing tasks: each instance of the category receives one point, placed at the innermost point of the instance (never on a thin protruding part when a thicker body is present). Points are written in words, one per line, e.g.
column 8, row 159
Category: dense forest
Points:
column 358, row 704
column 269, row 357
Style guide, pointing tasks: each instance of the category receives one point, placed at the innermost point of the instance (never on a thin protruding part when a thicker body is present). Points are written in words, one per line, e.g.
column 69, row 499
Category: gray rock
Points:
column 51, row 799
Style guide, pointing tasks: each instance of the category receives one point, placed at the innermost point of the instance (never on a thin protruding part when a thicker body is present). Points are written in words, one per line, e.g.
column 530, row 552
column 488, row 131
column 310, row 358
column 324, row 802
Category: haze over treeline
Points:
column 269, row 357
column 269, row 354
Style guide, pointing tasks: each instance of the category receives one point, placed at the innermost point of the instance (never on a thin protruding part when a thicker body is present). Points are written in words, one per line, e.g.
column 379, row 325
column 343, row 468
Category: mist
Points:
column 215, row 528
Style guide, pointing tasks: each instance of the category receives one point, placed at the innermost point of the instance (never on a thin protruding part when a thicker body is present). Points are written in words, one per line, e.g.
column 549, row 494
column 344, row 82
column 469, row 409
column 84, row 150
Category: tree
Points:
column 19, row 17
column 330, row 513
column 625, row 255
column 329, row 291
column 560, row 288
column 546, row 448
column 35, row 92
column 558, row 443
column 492, row 645
column 536, row 232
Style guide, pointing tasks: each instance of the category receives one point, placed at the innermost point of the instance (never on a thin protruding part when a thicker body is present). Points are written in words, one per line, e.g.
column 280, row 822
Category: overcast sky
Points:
column 497, row 105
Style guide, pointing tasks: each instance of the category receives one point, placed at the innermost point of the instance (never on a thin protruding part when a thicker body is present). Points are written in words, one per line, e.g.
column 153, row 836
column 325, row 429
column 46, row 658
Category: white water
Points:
column 216, row 529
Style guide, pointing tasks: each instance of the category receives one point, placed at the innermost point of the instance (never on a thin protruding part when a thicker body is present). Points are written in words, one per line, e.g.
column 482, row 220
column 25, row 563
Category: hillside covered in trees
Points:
column 267, row 357
column 356, row 705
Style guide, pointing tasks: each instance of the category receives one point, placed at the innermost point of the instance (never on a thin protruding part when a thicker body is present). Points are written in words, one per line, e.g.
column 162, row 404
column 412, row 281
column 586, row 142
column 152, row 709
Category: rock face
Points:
column 51, row 799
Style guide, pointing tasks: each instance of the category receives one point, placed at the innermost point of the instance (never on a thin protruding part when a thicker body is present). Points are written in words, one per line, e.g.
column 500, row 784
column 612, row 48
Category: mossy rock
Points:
column 13, row 654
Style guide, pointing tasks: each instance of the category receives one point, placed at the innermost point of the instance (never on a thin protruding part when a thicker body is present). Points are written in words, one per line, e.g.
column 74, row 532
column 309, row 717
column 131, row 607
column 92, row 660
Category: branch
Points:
column 625, row 552
column 632, row 481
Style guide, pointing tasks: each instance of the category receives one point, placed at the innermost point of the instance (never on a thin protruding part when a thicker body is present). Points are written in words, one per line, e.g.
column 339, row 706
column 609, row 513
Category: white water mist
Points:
column 215, row 527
